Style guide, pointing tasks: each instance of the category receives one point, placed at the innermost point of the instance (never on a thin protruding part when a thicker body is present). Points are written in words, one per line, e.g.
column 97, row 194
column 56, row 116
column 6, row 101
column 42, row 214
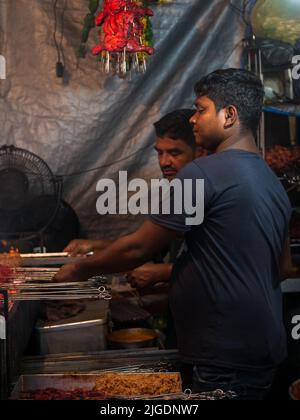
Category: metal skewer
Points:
column 18, row 298
column 38, row 284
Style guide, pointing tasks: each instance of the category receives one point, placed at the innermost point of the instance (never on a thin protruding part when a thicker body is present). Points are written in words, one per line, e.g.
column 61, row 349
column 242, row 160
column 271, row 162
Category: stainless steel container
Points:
column 85, row 332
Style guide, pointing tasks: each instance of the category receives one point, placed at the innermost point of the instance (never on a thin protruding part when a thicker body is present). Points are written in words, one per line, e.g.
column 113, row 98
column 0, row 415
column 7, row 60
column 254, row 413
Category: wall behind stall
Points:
column 89, row 119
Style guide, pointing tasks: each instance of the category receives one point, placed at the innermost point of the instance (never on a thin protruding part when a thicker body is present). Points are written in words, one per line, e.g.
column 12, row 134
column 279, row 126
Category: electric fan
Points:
column 30, row 194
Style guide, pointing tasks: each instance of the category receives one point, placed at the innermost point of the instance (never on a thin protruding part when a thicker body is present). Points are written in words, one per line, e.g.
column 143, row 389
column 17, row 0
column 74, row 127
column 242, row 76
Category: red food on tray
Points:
column 5, row 274
column 56, row 394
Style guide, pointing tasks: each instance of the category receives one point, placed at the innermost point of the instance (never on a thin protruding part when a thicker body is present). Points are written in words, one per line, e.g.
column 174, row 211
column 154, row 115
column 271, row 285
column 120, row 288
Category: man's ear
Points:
column 231, row 116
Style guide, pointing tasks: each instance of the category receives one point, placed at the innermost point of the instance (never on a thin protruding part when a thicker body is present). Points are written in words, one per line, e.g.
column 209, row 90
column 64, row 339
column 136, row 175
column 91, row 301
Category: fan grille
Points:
column 25, row 180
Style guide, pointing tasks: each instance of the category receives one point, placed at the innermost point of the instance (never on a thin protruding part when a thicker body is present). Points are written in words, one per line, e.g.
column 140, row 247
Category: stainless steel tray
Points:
column 28, row 383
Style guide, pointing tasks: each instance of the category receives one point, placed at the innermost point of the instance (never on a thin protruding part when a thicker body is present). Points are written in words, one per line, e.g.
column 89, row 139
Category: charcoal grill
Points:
column 34, row 285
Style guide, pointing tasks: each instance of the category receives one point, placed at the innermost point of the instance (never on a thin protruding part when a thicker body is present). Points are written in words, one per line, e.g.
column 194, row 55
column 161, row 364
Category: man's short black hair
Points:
column 176, row 125
column 237, row 87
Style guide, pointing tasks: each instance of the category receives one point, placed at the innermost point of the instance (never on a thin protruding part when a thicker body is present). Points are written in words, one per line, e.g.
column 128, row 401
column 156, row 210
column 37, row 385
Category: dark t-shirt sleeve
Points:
column 178, row 222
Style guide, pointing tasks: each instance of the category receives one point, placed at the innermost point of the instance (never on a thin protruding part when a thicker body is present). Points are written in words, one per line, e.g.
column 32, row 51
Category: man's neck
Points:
column 241, row 142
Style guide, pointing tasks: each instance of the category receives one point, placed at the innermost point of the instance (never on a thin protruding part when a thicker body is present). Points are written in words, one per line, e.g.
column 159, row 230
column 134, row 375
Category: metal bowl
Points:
column 132, row 338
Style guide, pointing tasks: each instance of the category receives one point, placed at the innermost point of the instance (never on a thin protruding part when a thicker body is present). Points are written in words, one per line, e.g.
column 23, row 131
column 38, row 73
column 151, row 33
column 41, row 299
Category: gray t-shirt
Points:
column 225, row 290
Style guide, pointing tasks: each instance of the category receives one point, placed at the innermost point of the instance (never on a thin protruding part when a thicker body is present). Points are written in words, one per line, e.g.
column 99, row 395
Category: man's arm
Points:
column 123, row 255
column 287, row 270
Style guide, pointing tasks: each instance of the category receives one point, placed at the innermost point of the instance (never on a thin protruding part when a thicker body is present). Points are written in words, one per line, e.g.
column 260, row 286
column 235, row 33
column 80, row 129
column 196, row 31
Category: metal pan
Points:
column 85, row 382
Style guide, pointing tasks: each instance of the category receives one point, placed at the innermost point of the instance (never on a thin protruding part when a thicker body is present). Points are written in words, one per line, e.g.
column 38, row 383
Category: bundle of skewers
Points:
column 38, row 284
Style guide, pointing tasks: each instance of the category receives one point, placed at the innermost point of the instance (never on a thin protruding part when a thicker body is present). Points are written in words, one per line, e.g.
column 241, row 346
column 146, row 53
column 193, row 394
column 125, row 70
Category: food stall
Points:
column 81, row 98
column 71, row 345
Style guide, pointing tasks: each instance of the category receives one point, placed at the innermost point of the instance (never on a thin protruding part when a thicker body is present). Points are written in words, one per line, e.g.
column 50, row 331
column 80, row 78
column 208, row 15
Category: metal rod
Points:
column 46, row 255
column 24, row 297
column 23, row 290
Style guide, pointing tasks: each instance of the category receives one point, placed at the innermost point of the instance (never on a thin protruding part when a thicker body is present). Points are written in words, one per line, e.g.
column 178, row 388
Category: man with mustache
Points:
column 175, row 145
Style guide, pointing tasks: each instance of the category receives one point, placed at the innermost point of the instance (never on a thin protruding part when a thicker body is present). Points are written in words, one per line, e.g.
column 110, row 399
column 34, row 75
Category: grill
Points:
column 33, row 285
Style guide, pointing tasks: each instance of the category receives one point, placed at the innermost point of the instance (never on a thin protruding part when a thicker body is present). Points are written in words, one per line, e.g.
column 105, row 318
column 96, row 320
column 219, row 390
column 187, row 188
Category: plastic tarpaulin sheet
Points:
column 91, row 120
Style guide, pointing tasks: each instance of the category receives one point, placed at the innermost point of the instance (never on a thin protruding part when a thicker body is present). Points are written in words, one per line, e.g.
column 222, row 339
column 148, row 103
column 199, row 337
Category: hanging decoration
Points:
column 134, row 30
column 125, row 41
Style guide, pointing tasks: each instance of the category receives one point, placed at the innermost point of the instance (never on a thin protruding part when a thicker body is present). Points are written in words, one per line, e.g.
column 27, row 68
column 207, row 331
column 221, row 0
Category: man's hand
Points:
column 70, row 273
column 79, row 247
column 149, row 274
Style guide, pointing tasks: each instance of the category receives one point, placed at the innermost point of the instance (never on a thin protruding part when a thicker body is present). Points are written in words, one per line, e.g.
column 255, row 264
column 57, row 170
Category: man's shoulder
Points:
column 206, row 161
column 196, row 168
